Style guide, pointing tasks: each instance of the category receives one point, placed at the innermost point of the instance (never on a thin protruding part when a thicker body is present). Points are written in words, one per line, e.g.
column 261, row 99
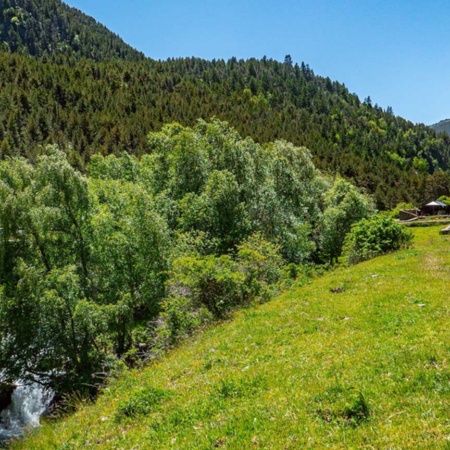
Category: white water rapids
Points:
column 29, row 402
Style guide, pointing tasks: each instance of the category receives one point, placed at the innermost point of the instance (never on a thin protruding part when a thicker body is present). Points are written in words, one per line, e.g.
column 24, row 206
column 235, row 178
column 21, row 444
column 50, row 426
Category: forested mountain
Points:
column 110, row 99
column 442, row 126
column 110, row 106
column 42, row 27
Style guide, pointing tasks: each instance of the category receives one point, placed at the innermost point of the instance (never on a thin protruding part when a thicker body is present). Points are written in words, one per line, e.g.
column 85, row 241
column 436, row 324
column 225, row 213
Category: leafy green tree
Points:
column 261, row 262
column 46, row 275
column 375, row 236
column 129, row 244
column 217, row 211
column 80, row 263
column 345, row 205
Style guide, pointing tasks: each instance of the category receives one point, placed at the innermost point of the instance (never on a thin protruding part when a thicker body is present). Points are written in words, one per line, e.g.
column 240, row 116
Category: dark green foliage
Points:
column 375, row 236
column 50, row 27
column 109, row 106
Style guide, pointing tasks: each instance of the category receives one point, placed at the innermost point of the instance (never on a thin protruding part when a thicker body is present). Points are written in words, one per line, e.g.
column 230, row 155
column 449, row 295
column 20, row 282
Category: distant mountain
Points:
column 48, row 27
column 442, row 127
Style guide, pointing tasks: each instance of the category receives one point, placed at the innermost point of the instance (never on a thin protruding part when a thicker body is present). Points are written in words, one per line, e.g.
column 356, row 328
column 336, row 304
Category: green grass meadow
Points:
column 359, row 358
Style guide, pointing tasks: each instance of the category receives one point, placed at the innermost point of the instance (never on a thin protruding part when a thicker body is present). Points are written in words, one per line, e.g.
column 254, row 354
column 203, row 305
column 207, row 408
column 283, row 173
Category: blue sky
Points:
column 396, row 51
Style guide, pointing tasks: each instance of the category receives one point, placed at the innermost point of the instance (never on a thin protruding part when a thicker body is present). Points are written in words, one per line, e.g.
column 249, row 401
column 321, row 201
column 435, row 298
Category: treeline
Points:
column 50, row 27
column 88, row 107
column 140, row 252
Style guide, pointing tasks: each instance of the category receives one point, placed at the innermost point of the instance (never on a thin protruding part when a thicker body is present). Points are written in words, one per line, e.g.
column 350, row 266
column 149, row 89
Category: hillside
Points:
column 50, row 27
column 88, row 107
column 89, row 92
column 442, row 127
column 355, row 359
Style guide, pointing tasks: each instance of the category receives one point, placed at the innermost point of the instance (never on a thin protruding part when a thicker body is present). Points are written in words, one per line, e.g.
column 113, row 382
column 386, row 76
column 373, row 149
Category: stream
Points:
column 29, row 402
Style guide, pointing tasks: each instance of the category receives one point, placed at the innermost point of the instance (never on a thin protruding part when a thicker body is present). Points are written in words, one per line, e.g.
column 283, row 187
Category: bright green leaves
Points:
column 129, row 245
column 80, row 262
column 201, row 288
column 217, row 211
column 228, row 187
column 144, row 251
column 375, row 236
column 345, row 205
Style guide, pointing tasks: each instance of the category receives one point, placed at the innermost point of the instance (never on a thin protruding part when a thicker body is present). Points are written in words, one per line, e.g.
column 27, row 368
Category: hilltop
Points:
column 50, row 27
column 357, row 358
column 442, row 127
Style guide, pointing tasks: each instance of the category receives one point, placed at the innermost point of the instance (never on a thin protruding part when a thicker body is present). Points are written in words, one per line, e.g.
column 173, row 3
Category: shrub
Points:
column 212, row 282
column 375, row 236
column 445, row 199
column 395, row 213
column 203, row 288
column 180, row 318
column 261, row 263
column 345, row 206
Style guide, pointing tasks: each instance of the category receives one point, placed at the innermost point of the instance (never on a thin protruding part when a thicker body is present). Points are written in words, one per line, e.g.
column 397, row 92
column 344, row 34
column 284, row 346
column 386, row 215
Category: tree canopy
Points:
column 109, row 106
column 139, row 251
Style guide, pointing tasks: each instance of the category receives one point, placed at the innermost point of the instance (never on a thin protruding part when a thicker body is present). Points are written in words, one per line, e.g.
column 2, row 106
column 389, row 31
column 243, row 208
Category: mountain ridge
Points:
column 46, row 27
column 443, row 126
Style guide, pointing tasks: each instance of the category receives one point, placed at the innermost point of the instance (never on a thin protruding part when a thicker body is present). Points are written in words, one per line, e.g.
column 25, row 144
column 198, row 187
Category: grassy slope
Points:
column 285, row 374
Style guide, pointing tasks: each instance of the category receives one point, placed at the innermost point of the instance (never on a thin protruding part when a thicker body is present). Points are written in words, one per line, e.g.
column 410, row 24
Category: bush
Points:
column 261, row 263
column 179, row 319
column 375, row 236
column 204, row 288
column 212, row 282
column 444, row 199
column 395, row 213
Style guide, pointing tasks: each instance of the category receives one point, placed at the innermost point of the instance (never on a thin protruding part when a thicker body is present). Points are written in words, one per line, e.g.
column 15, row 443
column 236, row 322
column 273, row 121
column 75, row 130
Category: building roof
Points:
column 436, row 203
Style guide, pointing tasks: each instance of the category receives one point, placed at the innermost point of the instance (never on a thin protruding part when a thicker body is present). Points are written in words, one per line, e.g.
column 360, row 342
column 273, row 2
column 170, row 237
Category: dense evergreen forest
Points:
column 67, row 80
column 87, row 107
column 44, row 27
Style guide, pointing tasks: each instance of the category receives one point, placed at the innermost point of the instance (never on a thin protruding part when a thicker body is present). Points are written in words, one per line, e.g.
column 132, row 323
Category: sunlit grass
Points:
column 357, row 359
